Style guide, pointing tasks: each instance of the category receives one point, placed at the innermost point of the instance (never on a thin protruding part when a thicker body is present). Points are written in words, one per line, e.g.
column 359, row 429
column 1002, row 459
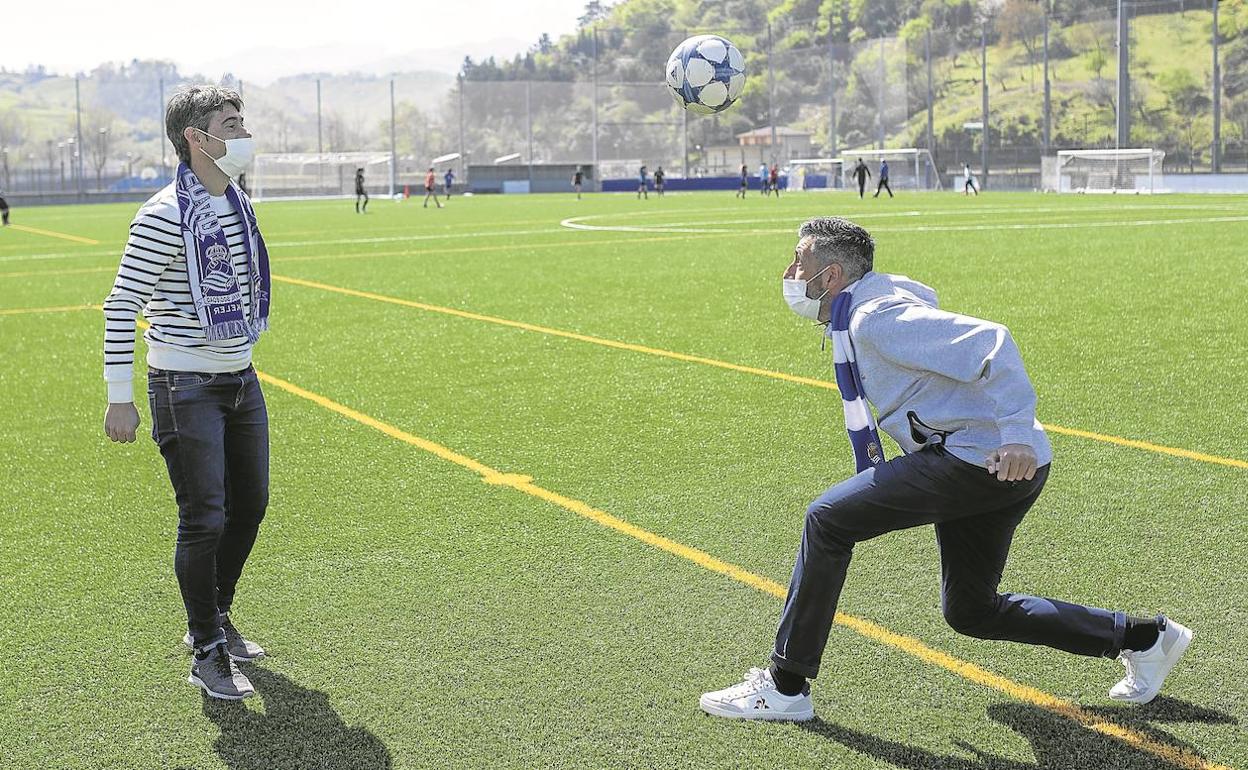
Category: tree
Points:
column 97, row 137
column 1022, row 21
column 1188, row 100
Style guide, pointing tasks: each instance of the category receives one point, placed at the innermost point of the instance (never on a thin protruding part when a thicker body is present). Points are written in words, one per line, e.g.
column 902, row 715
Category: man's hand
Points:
column 1013, row 462
column 121, row 421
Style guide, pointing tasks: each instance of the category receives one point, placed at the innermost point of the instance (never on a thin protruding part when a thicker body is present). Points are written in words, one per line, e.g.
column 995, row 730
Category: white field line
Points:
column 914, row 229
column 292, row 244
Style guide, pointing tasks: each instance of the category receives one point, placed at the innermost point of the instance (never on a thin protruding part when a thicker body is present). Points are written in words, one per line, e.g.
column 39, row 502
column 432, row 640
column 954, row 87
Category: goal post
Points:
column 814, row 174
column 909, row 168
column 320, row 175
column 1135, row 170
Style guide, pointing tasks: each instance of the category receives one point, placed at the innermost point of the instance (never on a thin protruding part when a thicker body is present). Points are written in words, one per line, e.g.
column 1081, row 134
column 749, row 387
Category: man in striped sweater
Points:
column 208, row 414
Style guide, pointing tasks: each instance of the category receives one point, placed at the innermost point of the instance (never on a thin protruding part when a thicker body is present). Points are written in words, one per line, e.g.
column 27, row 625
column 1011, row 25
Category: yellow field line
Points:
column 412, row 252
column 70, row 271
column 59, row 309
column 1230, row 462
column 907, row 644
column 54, row 234
column 556, row 332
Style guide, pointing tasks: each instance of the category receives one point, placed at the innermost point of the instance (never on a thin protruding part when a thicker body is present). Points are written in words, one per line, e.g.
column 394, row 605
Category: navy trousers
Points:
column 213, row 431
column 975, row 517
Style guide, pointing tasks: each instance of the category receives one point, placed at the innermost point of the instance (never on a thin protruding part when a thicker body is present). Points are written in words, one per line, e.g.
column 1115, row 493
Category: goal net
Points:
column 908, row 168
column 814, row 174
column 1105, row 171
column 320, row 175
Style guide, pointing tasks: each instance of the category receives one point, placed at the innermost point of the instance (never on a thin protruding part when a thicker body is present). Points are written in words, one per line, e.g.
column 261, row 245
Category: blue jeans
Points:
column 975, row 517
column 213, row 431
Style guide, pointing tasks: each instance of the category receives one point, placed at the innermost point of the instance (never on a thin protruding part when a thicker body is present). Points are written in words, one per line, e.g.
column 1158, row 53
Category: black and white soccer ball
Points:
column 705, row 74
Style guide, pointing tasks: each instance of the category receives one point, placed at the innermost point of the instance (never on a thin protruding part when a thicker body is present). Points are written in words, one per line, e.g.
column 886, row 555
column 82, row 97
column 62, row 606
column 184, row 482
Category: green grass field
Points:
column 417, row 617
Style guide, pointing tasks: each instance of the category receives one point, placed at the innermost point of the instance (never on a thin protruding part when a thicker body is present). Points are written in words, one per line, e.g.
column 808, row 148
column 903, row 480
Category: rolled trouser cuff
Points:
column 793, row 667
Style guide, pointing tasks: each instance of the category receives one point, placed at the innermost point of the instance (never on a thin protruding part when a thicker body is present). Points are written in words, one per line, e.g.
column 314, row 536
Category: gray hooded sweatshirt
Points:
column 955, row 373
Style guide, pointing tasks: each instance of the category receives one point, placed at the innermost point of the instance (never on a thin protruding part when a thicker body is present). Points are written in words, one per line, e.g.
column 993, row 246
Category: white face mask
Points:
column 238, row 154
column 795, row 295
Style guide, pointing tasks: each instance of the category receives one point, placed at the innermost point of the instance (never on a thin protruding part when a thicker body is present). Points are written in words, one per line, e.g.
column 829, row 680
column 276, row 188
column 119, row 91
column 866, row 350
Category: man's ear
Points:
column 835, row 274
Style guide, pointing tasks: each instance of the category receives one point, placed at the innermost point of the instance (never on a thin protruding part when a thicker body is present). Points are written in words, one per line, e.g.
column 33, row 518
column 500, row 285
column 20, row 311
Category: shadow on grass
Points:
column 1058, row 743
column 298, row 729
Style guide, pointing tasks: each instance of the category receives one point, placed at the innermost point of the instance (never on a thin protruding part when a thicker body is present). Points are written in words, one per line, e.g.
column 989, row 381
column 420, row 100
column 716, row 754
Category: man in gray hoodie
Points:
column 951, row 390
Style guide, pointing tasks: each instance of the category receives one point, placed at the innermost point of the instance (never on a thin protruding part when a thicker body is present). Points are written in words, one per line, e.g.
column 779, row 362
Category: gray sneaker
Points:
column 241, row 649
column 214, row 671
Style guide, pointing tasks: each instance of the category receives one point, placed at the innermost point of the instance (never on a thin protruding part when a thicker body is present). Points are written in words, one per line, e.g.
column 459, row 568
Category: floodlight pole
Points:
column 78, row 130
column 832, row 148
column 983, row 132
column 320, row 148
column 1048, row 115
column 162, row 134
column 394, row 154
column 684, row 139
column 1216, row 150
column 463, row 153
column 1124, row 77
column 771, row 92
column 594, row 138
column 528, row 120
column 879, row 102
column 927, row 52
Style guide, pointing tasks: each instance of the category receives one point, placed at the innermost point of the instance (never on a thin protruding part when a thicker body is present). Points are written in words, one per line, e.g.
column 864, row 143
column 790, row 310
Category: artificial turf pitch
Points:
column 418, row 617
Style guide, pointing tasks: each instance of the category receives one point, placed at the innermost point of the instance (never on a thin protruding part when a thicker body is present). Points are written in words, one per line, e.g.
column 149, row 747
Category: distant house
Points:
column 754, row 147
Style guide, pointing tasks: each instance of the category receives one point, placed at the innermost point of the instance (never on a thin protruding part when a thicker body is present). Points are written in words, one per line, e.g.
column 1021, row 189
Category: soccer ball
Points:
column 705, row 74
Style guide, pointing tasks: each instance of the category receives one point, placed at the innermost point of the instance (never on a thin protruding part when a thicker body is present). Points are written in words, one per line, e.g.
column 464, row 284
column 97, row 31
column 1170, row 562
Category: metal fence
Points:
column 997, row 93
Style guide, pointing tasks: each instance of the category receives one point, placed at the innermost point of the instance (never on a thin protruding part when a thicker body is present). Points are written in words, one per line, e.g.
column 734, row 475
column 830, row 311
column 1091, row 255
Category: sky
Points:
column 261, row 40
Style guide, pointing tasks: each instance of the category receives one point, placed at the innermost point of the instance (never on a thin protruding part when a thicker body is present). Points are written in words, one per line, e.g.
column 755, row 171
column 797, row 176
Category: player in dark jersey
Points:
column 773, row 178
column 745, row 181
column 4, row 210
column 578, row 178
column 658, row 181
column 359, row 191
column 861, row 172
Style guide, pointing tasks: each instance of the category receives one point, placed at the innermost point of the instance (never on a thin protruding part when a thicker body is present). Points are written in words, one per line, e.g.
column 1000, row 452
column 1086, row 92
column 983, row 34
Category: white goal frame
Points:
column 800, row 168
column 1133, row 170
column 311, row 175
column 918, row 162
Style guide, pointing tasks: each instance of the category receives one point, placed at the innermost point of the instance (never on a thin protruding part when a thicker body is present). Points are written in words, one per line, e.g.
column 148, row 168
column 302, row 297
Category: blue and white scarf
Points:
column 210, row 269
column 859, row 421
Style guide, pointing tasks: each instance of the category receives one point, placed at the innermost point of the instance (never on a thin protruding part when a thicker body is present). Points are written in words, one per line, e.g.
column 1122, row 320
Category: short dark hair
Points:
column 835, row 239
column 194, row 106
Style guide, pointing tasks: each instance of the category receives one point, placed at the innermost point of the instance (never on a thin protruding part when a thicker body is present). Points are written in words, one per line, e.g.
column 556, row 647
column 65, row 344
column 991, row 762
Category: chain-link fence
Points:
column 996, row 92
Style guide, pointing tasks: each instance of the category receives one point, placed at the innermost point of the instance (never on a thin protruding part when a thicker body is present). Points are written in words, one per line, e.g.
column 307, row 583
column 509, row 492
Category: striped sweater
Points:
column 152, row 280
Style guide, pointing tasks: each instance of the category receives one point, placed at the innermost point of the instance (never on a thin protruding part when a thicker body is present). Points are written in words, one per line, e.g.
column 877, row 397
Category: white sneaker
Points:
column 1148, row 669
column 758, row 698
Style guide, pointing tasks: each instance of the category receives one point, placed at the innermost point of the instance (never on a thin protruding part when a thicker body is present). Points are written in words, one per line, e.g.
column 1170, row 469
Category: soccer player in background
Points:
column 883, row 183
column 430, row 189
column 578, row 178
column 773, row 179
column 658, row 181
column 194, row 247
column 448, row 179
column 4, row 210
column 745, row 181
column 641, row 188
column 763, row 188
column 360, row 192
column 969, row 185
column 951, row 390
column 861, row 172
